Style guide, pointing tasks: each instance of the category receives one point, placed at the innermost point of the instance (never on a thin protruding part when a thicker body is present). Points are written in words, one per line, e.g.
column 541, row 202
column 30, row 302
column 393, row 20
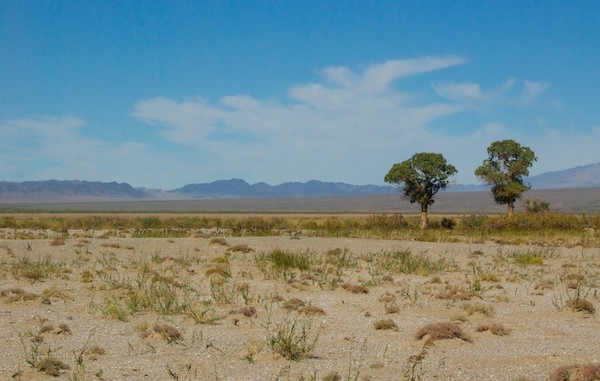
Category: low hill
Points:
column 66, row 189
column 587, row 176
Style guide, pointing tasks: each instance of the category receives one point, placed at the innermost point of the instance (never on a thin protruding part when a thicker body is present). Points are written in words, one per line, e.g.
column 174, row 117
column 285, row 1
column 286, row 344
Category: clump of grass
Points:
column 218, row 241
column 248, row 311
column 294, row 304
column 293, row 340
column 311, row 310
column 405, row 262
column 580, row 305
column 16, row 294
column 58, row 241
column 441, row 331
column 284, row 261
column 385, row 324
column 240, row 249
column 332, row 376
column 483, row 309
column 455, row 293
column 579, row 372
column 52, row 366
column 495, row 328
column 168, row 332
column 355, row 288
column 57, row 292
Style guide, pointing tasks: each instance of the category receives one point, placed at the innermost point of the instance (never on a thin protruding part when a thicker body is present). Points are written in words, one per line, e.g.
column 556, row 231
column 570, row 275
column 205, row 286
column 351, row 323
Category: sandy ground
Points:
column 71, row 301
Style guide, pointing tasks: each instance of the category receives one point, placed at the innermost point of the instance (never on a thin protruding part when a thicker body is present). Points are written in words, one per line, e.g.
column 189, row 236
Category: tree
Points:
column 420, row 178
column 508, row 163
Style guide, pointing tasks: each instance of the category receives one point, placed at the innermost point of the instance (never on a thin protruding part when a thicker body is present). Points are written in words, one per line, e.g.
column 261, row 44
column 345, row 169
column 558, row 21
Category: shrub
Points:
column 495, row 328
column 441, row 331
column 585, row 372
column 385, row 324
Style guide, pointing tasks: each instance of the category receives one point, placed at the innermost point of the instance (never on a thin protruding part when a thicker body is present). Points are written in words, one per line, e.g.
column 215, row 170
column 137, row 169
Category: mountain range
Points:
column 579, row 177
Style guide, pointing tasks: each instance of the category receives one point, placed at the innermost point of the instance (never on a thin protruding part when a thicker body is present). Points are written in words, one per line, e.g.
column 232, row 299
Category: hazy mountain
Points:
column 587, row 176
column 236, row 188
column 580, row 177
column 68, row 189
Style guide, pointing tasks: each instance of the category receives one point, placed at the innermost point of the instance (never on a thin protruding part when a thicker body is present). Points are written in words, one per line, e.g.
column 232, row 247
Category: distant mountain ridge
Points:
column 69, row 188
column 587, row 176
column 235, row 188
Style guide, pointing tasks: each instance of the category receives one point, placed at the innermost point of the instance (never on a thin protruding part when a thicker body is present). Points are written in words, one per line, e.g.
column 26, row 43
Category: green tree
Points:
column 420, row 178
column 508, row 163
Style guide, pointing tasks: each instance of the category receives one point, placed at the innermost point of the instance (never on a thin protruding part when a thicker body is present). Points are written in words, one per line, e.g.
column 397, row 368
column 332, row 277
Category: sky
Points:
column 160, row 94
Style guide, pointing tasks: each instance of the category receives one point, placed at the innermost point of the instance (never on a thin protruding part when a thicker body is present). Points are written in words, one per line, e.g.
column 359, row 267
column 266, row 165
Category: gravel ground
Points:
column 62, row 299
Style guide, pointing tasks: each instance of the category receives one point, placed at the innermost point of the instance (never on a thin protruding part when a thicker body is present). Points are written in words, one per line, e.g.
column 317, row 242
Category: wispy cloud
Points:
column 346, row 119
column 471, row 94
column 351, row 126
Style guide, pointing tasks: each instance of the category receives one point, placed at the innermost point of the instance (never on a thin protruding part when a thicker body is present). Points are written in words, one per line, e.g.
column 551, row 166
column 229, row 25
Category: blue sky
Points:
column 162, row 94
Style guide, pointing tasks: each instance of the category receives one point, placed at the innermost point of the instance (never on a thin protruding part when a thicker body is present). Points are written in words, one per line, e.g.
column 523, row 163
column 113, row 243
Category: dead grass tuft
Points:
column 581, row 305
column 385, row 324
column 495, row 328
column 168, row 332
column 16, row 294
column 441, row 331
column 584, row 372
column 294, row 304
column 355, row 288
column 311, row 310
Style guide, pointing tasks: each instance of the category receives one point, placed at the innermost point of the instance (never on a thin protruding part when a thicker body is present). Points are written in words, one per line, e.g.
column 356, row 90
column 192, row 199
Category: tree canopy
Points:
column 508, row 163
column 420, row 178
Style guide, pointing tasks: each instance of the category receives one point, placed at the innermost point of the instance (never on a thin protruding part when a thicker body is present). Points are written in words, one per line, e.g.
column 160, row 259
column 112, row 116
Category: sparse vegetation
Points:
column 210, row 298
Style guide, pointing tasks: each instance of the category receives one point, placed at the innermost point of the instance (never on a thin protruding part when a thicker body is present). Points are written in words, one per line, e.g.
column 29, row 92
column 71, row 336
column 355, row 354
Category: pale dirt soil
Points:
column 90, row 271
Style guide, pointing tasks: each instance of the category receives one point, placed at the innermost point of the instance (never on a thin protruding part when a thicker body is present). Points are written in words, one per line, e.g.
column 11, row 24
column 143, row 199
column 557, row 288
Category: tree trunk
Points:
column 511, row 209
column 423, row 216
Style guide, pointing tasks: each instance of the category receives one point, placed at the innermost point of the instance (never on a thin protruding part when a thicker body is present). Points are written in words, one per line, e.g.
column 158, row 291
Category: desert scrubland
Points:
column 98, row 297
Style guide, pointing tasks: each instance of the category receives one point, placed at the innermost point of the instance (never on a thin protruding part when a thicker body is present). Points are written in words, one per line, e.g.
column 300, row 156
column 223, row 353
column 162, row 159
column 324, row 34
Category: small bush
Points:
column 168, row 332
column 441, row 331
column 585, row 372
column 355, row 288
column 385, row 324
column 495, row 328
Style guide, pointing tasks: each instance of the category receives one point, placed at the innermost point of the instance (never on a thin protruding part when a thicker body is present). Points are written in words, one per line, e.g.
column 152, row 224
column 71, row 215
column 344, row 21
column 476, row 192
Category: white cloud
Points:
column 350, row 127
column 471, row 93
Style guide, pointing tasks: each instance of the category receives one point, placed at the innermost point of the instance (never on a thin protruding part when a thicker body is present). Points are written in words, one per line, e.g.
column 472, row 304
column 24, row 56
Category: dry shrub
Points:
column 240, row 249
column 385, row 324
column 311, row 310
column 483, row 309
column 581, row 305
column 218, row 241
column 387, row 297
column 294, row 304
column 248, row 311
column 58, row 241
column 495, row 328
column 441, row 331
column 220, row 269
column 455, row 293
column 168, row 332
column 585, row 372
column 355, row 288
column 16, row 294
column 51, row 366
column 392, row 308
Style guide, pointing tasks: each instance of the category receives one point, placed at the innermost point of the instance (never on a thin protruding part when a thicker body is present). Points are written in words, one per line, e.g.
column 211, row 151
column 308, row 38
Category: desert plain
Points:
column 105, row 305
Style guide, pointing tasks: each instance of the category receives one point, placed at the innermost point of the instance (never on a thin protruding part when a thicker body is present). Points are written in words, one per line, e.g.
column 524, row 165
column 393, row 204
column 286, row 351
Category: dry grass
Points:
column 385, row 324
column 584, row 372
column 441, row 331
column 355, row 288
column 495, row 328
